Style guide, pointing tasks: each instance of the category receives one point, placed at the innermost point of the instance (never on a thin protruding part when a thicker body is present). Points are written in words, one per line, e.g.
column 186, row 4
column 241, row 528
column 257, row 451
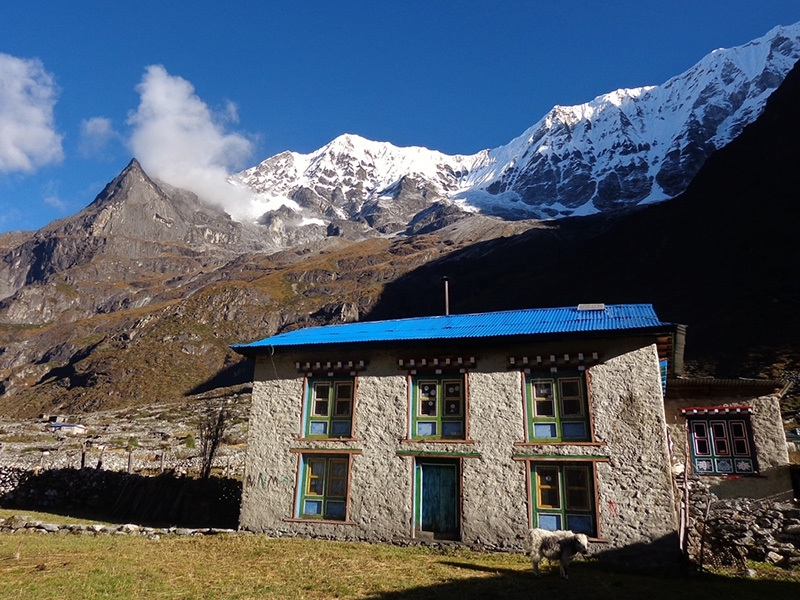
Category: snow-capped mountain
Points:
column 624, row 148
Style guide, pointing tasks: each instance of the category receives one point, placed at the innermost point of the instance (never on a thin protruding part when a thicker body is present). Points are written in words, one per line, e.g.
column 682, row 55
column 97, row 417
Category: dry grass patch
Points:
column 252, row 566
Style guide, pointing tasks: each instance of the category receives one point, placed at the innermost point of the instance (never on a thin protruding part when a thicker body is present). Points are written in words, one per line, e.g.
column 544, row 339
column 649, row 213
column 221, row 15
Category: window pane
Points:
column 576, row 477
column 427, row 389
column 312, row 507
column 701, row 447
column 322, row 390
column 340, row 428
column 315, row 474
column 427, row 399
column 318, row 428
column 545, row 408
column 426, row 428
column 576, row 481
column 578, row 498
column 334, row 510
column 452, row 429
column 544, row 430
column 740, row 448
column 550, row 522
column 338, row 468
column 721, row 447
column 738, row 429
column 580, row 524
column 549, row 498
column 338, row 487
column 576, row 431
column 570, row 388
column 321, row 408
column 344, row 398
column 547, row 481
column 452, row 407
column 428, row 408
column 542, row 389
column 704, row 465
column 316, row 467
column 452, row 389
column 571, row 408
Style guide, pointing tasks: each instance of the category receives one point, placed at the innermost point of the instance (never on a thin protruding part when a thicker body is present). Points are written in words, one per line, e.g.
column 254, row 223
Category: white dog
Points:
column 563, row 545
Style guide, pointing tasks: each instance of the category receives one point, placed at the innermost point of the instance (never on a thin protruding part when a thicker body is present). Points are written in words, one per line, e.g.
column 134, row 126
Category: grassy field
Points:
column 55, row 566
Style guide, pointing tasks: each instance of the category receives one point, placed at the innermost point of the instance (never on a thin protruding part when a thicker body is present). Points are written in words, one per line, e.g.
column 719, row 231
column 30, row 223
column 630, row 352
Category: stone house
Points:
column 468, row 427
column 729, row 432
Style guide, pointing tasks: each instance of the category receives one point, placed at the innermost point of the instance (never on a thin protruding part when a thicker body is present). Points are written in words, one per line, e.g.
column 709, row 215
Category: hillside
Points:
column 136, row 299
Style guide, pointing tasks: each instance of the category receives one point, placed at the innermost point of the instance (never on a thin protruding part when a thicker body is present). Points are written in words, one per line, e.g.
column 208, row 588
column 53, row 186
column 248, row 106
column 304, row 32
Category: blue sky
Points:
column 85, row 86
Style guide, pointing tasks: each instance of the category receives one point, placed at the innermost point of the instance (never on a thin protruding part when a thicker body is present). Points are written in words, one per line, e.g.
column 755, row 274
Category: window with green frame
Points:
column 563, row 497
column 329, row 408
column 721, row 446
column 556, row 408
column 438, row 407
column 323, row 487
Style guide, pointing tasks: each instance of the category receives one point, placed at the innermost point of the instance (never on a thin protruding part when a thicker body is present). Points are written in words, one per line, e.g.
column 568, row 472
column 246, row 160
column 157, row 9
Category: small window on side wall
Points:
column 721, row 445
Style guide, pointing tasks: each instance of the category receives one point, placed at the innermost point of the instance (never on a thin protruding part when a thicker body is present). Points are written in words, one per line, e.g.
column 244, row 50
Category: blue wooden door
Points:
column 439, row 499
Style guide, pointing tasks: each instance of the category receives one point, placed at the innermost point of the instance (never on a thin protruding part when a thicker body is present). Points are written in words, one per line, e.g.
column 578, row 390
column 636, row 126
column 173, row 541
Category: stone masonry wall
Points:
column 727, row 532
column 635, row 495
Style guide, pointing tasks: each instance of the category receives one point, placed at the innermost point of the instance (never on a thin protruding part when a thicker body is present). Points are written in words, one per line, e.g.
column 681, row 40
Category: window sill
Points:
column 326, row 439
column 436, row 441
column 733, row 475
column 318, row 521
column 595, row 540
column 589, row 444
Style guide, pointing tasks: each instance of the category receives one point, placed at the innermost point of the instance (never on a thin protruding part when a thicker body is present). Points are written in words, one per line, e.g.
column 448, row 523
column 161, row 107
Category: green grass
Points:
column 252, row 566
column 32, row 515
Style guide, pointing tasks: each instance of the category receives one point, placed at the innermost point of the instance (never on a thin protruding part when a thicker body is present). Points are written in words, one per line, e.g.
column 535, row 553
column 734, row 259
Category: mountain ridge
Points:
column 621, row 149
column 138, row 297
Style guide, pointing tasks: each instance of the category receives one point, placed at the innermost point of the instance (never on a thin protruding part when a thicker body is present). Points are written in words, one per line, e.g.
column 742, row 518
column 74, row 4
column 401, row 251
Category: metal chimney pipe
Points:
column 446, row 295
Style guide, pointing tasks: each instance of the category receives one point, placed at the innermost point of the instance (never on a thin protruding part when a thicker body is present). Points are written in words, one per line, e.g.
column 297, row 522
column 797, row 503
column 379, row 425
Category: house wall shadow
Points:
column 596, row 579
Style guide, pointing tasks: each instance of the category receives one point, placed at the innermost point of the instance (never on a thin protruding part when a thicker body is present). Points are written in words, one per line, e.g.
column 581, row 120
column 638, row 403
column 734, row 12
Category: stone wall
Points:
column 122, row 497
column 730, row 531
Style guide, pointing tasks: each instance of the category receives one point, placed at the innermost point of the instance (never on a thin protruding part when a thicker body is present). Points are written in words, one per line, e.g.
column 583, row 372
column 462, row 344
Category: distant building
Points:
column 68, row 428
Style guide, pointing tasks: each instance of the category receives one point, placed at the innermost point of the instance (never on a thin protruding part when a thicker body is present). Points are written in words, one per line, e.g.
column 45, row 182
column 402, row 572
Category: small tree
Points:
column 212, row 429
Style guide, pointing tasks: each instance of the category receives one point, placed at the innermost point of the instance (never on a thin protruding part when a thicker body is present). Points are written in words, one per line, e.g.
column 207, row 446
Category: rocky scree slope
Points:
column 109, row 318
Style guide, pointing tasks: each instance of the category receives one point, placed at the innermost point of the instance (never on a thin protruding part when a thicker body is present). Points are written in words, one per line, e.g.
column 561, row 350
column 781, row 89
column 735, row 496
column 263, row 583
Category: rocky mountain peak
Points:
column 622, row 149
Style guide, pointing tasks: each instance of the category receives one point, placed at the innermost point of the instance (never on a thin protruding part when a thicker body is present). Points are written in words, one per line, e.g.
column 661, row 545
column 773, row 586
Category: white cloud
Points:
column 96, row 133
column 28, row 138
column 55, row 202
column 178, row 139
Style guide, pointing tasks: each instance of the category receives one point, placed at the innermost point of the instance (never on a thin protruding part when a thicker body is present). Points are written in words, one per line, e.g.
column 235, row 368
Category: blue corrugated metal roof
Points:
column 533, row 321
